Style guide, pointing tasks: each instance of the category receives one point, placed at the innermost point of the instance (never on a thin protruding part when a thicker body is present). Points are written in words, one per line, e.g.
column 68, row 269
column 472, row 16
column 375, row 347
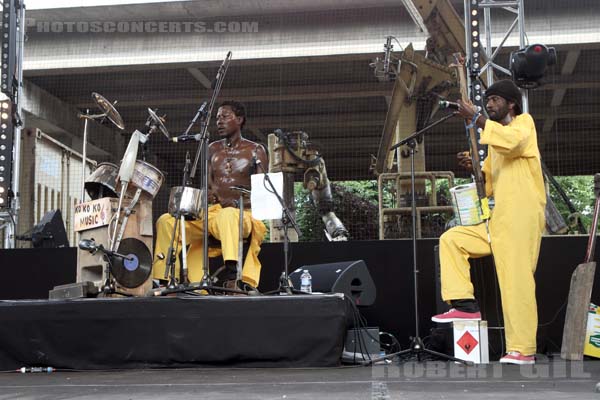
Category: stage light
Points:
column 6, row 147
column 529, row 64
column 8, row 35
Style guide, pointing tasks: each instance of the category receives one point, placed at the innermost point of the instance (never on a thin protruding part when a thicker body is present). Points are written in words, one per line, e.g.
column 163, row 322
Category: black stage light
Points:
column 6, row 148
column 529, row 64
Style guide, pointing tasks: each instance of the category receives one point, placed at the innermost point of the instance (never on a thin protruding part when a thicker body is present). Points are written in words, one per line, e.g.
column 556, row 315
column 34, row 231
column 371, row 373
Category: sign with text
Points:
column 92, row 214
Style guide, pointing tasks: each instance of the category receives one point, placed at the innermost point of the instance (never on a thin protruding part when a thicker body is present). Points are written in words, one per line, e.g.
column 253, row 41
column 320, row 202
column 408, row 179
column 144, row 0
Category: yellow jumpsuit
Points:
column 223, row 224
column 514, row 178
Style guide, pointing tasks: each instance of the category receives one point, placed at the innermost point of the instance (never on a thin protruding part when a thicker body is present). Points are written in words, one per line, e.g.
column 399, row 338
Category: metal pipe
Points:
column 11, row 228
column 84, row 156
column 524, row 92
column 498, row 4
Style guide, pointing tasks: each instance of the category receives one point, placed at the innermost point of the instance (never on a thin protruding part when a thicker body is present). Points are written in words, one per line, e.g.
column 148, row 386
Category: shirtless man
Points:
column 232, row 160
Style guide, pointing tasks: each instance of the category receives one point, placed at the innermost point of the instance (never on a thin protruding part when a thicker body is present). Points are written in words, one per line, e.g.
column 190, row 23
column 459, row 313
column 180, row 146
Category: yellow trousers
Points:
column 515, row 266
column 223, row 224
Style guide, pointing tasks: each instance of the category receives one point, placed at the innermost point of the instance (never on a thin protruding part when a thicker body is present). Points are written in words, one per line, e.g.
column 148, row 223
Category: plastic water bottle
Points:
column 306, row 282
column 36, row 369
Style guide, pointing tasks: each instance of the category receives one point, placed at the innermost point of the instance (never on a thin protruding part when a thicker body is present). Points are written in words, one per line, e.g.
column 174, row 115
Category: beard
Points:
column 498, row 115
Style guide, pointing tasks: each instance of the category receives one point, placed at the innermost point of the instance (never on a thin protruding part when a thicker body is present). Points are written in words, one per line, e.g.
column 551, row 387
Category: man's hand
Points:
column 464, row 160
column 466, row 110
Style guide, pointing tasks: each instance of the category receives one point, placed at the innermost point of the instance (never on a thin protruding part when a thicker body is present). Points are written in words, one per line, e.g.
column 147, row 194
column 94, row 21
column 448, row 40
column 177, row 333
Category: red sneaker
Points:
column 455, row 315
column 514, row 357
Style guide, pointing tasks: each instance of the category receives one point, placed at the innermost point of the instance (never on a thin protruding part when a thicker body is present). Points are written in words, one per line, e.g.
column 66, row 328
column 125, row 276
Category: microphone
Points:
column 213, row 85
column 202, row 108
column 91, row 246
column 448, row 104
column 186, row 138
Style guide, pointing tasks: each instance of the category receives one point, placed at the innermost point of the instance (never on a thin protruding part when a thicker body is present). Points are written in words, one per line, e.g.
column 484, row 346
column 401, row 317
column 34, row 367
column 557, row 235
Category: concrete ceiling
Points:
column 306, row 69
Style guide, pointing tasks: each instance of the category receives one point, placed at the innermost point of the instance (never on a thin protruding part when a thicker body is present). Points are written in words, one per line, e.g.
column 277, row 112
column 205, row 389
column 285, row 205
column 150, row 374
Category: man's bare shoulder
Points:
column 216, row 147
column 217, row 144
column 246, row 143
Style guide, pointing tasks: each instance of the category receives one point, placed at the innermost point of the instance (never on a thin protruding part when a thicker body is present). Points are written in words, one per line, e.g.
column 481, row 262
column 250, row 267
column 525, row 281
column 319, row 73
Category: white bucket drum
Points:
column 146, row 177
column 466, row 204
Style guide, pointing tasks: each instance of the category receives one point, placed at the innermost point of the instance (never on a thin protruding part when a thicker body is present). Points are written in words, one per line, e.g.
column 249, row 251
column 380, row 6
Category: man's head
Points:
column 503, row 98
column 231, row 118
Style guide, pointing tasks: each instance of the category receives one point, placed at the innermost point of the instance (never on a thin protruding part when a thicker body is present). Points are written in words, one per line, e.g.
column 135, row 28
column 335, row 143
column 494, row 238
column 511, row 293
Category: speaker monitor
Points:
column 49, row 233
column 351, row 278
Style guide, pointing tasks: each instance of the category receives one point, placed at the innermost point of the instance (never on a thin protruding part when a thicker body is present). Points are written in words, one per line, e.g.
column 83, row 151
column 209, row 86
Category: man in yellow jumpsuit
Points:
column 513, row 176
column 232, row 160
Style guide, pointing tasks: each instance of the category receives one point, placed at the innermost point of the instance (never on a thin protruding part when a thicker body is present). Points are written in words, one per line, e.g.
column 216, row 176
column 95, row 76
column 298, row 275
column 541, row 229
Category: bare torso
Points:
column 232, row 166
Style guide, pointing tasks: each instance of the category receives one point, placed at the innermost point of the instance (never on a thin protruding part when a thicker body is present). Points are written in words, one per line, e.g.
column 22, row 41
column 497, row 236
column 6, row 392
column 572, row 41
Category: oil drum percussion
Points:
column 147, row 178
column 103, row 181
column 186, row 201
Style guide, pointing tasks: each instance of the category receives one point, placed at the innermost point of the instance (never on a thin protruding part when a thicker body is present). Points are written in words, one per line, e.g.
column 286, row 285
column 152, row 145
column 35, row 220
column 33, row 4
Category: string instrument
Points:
column 473, row 138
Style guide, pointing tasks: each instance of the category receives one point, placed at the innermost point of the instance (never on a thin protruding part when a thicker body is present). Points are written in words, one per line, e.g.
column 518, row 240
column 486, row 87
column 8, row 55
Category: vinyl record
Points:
column 134, row 271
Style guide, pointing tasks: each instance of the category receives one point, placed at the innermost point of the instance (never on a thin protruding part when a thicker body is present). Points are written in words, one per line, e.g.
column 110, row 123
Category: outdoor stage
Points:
column 275, row 325
column 407, row 381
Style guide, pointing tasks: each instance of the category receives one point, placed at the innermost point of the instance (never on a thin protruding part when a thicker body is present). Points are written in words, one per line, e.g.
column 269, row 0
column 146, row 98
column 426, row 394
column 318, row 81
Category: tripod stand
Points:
column 288, row 220
column 417, row 347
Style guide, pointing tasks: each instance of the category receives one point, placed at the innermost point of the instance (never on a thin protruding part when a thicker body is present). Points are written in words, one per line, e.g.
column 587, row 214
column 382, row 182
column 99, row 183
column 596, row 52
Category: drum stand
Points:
column 417, row 346
column 108, row 112
column 172, row 252
column 240, row 260
column 126, row 171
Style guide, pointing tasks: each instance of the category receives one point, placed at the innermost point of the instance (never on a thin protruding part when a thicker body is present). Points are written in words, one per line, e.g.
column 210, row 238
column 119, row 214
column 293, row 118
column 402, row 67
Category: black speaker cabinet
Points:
column 351, row 278
column 49, row 233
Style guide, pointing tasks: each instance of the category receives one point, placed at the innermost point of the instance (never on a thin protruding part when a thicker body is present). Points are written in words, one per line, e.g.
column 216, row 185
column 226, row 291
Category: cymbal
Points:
column 109, row 109
column 158, row 121
column 134, row 271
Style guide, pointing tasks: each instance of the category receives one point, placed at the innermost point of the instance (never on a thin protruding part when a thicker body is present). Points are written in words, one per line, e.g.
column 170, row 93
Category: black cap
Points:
column 508, row 91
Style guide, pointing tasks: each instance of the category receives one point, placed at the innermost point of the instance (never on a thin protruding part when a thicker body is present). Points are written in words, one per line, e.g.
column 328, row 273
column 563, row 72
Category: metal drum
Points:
column 102, row 182
column 186, row 200
column 146, row 177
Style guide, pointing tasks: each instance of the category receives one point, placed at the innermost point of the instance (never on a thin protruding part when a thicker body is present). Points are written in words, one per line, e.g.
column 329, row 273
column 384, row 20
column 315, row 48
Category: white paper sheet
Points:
column 264, row 203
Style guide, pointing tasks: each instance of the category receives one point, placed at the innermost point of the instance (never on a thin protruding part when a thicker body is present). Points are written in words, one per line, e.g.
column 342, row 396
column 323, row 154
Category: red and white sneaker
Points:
column 514, row 357
column 453, row 315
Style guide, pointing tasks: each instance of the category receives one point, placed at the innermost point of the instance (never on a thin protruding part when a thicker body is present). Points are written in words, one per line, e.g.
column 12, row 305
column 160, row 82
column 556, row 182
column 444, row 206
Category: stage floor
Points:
column 408, row 380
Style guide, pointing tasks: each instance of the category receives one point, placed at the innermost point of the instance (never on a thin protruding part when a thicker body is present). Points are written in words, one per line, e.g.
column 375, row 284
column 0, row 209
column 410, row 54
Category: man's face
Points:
column 497, row 107
column 227, row 122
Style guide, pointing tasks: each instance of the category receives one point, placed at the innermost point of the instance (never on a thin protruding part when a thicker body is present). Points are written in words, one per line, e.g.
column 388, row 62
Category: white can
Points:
column 466, row 204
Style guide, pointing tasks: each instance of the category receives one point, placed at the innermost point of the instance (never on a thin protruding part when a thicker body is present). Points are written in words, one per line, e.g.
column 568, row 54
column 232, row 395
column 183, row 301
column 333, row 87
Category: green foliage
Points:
column 356, row 205
column 580, row 190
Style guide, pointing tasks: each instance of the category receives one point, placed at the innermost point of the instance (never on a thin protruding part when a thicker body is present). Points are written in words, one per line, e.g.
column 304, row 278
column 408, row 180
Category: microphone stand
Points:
column 417, row 347
column 202, row 157
column 109, row 286
column 203, row 151
column 172, row 252
column 287, row 219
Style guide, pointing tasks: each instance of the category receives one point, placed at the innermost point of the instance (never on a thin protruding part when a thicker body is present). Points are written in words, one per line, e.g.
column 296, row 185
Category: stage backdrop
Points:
column 30, row 273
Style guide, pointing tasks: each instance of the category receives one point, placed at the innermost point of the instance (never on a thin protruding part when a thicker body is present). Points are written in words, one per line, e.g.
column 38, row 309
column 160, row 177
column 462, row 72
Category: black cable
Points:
column 394, row 346
column 363, row 326
column 359, row 340
column 564, row 304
